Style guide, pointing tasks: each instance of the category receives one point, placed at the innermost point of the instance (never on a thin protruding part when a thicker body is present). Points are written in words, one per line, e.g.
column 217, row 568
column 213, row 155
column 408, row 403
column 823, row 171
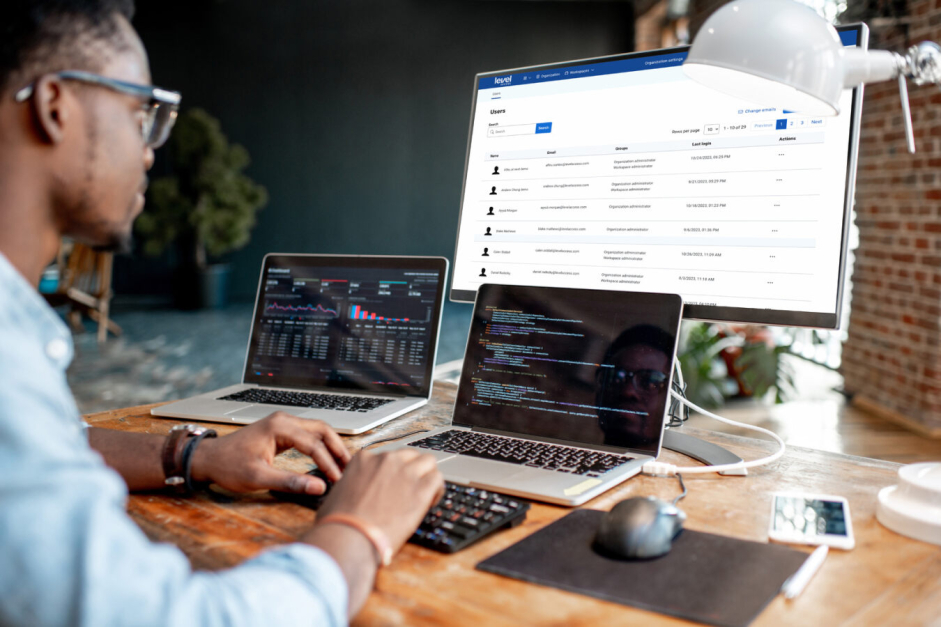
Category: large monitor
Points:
column 621, row 173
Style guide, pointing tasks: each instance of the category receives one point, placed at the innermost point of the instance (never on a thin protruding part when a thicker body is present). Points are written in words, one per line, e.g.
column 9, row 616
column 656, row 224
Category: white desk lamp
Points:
column 781, row 53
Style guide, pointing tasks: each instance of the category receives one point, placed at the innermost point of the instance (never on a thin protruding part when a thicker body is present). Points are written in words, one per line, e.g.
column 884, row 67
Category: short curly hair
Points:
column 40, row 36
column 641, row 335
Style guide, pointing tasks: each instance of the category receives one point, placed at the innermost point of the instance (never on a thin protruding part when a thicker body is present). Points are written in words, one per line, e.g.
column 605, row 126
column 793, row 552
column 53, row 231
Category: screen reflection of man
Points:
column 632, row 386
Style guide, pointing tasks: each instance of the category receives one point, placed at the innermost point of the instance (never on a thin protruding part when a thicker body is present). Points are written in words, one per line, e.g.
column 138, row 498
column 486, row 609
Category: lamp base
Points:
column 913, row 507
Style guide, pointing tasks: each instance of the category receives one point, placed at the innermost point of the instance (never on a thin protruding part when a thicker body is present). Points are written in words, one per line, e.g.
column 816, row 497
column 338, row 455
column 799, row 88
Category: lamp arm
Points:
column 922, row 64
column 870, row 66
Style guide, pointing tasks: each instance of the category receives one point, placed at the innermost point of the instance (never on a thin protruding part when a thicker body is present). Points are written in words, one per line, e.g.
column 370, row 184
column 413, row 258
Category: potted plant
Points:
column 724, row 361
column 206, row 207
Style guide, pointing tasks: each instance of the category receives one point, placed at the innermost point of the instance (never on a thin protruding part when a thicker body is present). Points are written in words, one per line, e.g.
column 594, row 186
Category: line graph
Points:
column 305, row 309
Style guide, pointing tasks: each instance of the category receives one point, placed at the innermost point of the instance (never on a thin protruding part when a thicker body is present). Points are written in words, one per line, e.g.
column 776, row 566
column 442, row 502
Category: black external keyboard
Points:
column 465, row 515
column 523, row 452
column 311, row 400
column 462, row 516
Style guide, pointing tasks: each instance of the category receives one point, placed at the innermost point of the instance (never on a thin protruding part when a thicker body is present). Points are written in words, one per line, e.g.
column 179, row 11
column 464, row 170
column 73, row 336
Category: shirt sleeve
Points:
column 69, row 553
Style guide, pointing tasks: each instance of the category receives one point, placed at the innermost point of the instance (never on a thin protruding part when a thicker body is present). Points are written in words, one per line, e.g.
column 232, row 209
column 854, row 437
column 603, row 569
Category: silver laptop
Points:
column 349, row 340
column 563, row 393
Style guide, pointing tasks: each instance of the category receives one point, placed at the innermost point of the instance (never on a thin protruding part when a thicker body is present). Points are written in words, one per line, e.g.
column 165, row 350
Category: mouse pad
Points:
column 705, row 578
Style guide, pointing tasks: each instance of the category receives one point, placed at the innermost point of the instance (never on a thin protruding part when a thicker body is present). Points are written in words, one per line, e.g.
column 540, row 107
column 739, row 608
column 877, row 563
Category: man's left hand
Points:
column 243, row 461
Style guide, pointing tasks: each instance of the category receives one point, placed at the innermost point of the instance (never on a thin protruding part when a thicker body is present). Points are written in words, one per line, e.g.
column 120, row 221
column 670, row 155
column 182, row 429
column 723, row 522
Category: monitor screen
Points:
column 352, row 323
column 570, row 365
column 620, row 173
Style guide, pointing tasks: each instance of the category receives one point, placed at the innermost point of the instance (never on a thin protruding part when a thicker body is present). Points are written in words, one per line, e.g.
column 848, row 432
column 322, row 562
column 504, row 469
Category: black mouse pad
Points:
column 705, row 578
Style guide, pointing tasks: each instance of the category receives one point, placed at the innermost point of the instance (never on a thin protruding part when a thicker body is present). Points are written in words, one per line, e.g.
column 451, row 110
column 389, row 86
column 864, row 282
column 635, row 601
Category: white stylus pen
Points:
column 798, row 581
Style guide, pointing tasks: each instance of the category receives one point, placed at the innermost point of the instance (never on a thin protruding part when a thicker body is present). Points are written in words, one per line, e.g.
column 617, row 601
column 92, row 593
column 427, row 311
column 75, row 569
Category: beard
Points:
column 118, row 243
column 102, row 235
column 85, row 222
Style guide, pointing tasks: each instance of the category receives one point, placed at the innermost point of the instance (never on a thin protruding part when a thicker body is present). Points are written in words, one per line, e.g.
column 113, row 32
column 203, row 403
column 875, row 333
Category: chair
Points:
column 85, row 287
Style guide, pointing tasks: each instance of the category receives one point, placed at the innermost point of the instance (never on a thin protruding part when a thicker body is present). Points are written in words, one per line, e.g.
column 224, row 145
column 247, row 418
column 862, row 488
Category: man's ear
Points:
column 51, row 108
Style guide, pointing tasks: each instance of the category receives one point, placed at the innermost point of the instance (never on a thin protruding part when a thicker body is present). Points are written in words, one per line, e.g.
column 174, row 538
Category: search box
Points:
column 520, row 129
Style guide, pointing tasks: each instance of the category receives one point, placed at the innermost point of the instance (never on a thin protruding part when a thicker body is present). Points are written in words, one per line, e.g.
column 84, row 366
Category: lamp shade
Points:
column 772, row 52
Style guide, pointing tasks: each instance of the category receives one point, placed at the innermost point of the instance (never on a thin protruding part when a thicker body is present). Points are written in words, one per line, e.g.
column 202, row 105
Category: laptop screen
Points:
column 348, row 322
column 582, row 366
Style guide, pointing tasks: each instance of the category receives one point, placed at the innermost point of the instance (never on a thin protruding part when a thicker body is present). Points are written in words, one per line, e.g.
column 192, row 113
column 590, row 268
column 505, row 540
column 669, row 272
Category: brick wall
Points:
column 891, row 360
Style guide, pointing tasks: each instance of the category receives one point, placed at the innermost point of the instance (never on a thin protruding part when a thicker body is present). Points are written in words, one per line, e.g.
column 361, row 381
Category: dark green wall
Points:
column 355, row 112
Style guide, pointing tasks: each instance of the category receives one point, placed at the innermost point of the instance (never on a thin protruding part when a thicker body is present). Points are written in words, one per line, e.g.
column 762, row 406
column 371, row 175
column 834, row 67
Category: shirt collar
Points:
column 33, row 315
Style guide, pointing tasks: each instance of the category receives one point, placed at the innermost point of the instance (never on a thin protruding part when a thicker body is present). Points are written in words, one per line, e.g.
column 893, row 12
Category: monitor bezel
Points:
column 777, row 317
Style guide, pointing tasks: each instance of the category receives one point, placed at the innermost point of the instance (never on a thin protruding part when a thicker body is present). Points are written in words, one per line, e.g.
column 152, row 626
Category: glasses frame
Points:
column 632, row 375
column 163, row 105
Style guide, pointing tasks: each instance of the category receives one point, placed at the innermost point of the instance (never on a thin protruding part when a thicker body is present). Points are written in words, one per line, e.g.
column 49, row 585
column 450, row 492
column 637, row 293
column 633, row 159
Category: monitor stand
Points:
column 706, row 452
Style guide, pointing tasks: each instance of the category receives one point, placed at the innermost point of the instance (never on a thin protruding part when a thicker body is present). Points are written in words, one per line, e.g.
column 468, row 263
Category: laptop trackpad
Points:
column 262, row 411
column 463, row 469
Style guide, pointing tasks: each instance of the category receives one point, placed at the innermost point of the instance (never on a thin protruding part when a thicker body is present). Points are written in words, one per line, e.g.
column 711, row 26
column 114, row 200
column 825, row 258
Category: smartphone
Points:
column 811, row 519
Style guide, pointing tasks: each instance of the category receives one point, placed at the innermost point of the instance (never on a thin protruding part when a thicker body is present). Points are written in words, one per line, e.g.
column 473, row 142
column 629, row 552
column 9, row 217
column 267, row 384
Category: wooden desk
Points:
column 886, row 579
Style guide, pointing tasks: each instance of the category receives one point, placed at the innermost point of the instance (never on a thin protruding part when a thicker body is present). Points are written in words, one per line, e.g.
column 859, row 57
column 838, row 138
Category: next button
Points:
column 543, row 127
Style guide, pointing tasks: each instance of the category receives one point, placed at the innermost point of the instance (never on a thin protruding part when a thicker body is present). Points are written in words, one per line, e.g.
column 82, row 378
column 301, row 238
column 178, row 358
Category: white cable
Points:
column 662, row 468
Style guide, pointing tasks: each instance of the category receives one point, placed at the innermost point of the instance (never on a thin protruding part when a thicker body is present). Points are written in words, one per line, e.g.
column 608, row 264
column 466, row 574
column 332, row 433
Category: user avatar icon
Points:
column 490, row 212
column 496, row 170
column 493, row 190
column 488, row 233
column 486, row 254
column 483, row 272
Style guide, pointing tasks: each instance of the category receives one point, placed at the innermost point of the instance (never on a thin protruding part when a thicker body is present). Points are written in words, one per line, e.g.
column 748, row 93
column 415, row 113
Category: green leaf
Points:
column 207, row 197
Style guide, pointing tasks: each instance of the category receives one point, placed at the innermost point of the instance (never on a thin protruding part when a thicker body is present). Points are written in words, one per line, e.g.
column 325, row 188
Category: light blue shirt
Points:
column 69, row 553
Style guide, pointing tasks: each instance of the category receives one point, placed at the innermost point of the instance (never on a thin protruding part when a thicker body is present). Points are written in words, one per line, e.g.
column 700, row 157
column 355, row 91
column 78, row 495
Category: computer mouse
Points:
column 641, row 527
column 312, row 501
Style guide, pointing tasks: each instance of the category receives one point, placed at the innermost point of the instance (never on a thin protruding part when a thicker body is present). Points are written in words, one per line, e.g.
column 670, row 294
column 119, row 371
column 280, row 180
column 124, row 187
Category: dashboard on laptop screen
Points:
column 584, row 366
column 621, row 173
column 354, row 323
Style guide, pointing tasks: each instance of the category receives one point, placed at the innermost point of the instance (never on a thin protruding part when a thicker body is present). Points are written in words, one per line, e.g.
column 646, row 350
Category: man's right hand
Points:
column 392, row 491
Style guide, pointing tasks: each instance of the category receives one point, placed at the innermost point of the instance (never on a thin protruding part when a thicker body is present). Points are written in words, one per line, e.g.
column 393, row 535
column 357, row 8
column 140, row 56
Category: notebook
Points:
column 349, row 340
column 563, row 392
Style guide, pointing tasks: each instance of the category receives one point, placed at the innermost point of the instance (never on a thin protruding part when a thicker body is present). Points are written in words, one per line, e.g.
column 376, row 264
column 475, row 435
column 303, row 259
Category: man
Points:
column 632, row 384
column 74, row 150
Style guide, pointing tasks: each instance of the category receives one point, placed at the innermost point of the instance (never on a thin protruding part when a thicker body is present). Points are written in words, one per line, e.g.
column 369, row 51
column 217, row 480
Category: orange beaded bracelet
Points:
column 376, row 537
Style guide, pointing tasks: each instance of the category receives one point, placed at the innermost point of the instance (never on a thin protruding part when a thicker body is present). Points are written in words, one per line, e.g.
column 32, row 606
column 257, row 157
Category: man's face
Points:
column 105, row 190
column 631, row 385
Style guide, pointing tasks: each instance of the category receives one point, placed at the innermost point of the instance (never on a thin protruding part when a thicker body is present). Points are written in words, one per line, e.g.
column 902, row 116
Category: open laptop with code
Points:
column 350, row 340
column 563, row 393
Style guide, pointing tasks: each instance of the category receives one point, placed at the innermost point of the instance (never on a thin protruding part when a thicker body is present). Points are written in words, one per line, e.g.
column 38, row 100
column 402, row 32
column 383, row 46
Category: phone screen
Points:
column 809, row 517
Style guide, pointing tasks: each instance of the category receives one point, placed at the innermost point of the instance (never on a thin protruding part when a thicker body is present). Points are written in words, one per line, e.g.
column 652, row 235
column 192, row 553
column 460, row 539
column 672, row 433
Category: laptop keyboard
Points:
column 310, row 400
column 524, row 452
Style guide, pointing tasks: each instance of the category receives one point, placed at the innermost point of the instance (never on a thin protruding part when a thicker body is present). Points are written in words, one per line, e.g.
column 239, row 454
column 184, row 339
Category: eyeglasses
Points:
column 644, row 381
column 159, row 109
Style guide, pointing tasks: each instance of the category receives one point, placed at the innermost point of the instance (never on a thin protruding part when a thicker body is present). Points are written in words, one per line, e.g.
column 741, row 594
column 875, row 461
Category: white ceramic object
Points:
column 913, row 507
column 781, row 53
